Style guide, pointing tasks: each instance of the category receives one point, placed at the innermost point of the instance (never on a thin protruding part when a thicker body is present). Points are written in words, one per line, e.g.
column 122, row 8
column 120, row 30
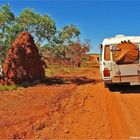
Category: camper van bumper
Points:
column 132, row 80
column 107, row 80
column 134, row 83
column 107, row 83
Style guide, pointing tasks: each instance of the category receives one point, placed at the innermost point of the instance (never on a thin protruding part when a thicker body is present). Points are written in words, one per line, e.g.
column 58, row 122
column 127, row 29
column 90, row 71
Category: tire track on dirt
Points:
column 86, row 117
column 117, row 119
column 131, row 111
column 85, row 110
column 121, row 115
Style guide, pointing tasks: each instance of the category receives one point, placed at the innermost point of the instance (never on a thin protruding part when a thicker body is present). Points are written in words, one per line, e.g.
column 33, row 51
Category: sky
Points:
column 95, row 19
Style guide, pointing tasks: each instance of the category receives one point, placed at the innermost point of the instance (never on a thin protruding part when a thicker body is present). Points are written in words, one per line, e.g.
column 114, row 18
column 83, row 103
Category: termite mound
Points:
column 23, row 62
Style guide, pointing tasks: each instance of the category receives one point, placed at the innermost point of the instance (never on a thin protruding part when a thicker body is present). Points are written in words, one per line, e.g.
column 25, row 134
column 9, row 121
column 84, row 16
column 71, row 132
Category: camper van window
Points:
column 107, row 53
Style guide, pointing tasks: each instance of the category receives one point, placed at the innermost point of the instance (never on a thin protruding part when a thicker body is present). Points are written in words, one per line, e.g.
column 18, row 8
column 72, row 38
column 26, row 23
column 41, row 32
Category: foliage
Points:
column 6, row 16
column 66, row 35
column 8, row 88
column 6, row 21
column 75, row 52
column 71, row 54
column 57, row 52
column 61, row 47
column 40, row 26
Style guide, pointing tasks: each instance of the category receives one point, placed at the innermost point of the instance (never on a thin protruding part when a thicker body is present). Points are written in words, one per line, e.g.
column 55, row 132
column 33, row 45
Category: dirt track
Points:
column 71, row 106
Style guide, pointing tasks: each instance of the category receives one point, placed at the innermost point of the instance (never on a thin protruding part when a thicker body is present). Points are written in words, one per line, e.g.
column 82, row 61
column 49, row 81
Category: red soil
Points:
column 73, row 106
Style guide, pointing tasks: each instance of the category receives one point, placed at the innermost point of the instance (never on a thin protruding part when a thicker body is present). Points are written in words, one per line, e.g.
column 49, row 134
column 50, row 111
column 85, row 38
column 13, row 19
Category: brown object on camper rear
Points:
column 126, row 53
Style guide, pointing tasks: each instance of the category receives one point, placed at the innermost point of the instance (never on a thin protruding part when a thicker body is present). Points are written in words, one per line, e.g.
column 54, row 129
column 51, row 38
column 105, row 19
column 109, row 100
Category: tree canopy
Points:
column 41, row 27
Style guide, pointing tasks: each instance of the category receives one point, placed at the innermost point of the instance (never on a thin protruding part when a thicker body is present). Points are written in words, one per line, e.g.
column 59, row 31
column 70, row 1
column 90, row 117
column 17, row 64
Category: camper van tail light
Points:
column 106, row 72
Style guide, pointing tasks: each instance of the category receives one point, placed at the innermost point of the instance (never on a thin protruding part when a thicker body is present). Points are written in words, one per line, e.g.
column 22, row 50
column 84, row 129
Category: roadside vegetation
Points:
column 8, row 87
column 60, row 70
column 61, row 49
column 57, row 46
column 54, row 70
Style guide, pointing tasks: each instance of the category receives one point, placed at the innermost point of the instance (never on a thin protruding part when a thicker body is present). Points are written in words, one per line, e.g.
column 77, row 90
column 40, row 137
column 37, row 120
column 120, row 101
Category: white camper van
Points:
column 124, row 69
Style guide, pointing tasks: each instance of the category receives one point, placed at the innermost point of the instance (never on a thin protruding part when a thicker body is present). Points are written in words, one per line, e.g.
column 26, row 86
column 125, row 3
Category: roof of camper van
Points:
column 118, row 38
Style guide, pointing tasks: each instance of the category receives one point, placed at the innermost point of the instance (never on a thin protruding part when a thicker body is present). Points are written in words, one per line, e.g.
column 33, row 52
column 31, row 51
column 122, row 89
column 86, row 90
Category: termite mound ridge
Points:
column 23, row 62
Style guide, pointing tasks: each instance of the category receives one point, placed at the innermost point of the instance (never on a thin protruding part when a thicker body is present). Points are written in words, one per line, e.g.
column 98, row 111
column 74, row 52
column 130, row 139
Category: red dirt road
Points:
column 74, row 106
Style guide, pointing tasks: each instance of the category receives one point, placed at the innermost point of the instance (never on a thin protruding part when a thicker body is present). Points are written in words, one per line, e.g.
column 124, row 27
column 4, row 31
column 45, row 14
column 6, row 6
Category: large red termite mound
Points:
column 23, row 62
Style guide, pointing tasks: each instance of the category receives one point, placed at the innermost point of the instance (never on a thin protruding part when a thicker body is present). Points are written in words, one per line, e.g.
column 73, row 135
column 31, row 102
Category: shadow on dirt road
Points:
column 125, row 89
column 80, row 80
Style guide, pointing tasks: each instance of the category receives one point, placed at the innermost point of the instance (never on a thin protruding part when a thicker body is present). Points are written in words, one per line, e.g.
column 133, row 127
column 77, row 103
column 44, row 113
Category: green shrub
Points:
column 8, row 87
